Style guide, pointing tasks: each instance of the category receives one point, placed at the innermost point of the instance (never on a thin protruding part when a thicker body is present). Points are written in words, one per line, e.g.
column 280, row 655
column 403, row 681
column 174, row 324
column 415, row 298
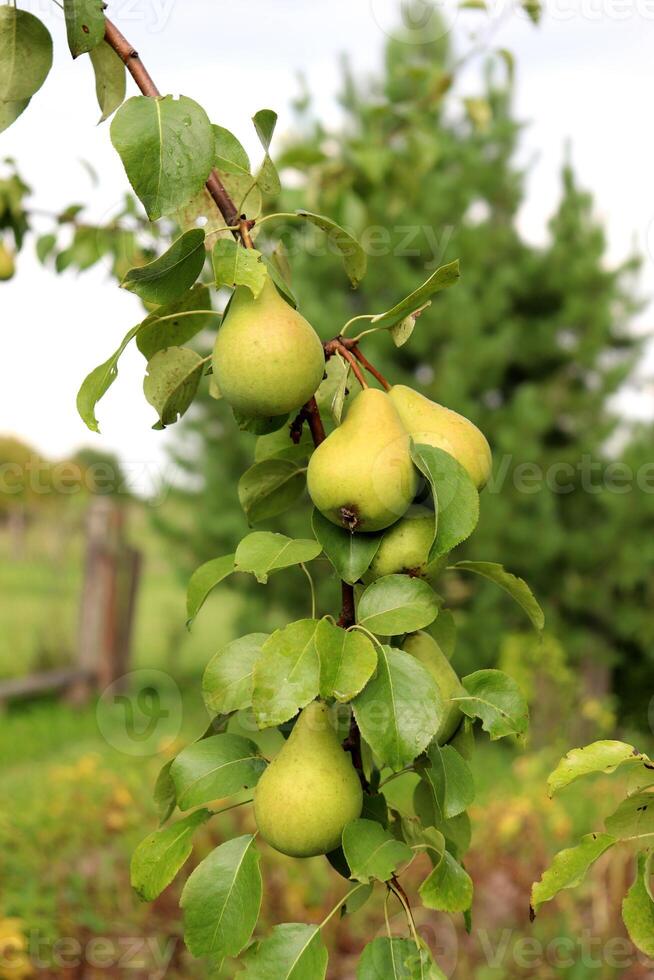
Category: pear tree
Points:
column 354, row 700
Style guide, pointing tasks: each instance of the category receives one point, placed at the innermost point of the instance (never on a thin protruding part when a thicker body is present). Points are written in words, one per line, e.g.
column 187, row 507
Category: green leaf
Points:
column 159, row 857
column 354, row 258
column 497, row 700
column 271, row 487
column 172, row 274
column 397, row 604
column 203, row 580
column 286, row 676
column 293, row 951
column 165, row 797
column 638, row 911
column 265, row 121
column 222, row 898
column 347, row 661
column 350, row 554
column 372, row 852
column 25, row 56
column 569, row 867
column 400, row 709
column 97, row 383
column 455, row 494
column 633, row 820
column 516, row 587
column 401, row 332
column 215, row 767
column 360, row 895
column 172, row 382
column 9, row 113
column 275, row 273
column 259, row 426
column 230, row 155
column 163, row 329
column 448, row 888
column 456, row 831
column 85, row 25
column 234, row 265
column 110, row 79
column 279, row 445
column 332, row 390
column 445, row 276
column 450, row 779
column 389, row 958
column 603, row 756
column 263, row 552
column 167, row 149
column 228, row 680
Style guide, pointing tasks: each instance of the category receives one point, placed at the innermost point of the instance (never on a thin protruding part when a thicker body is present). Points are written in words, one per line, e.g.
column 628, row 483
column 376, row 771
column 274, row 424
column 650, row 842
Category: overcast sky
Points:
column 585, row 75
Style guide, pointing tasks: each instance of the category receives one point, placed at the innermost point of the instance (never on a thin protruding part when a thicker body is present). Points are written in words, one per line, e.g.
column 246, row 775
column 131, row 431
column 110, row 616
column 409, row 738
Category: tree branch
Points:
column 146, row 86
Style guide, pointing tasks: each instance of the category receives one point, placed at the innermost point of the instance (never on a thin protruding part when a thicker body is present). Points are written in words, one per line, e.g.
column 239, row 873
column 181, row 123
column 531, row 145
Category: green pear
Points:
column 362, row 476
column 434, row 425
column 268, row 360
column 310, row 790
column 405, row 546
column 424, row 648
column 7, row 264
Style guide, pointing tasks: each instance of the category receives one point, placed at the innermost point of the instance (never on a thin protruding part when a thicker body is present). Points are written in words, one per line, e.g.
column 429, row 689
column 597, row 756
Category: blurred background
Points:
column 434, row 133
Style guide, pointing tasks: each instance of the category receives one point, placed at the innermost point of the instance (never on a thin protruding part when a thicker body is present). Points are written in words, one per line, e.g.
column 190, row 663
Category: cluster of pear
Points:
column 311, row 791
column 7, row 262
column 269, row 361
column 362, row 476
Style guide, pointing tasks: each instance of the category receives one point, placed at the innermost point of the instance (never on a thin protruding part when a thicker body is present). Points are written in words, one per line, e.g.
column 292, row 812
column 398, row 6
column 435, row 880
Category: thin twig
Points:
column 371, row 368
column 356, row 370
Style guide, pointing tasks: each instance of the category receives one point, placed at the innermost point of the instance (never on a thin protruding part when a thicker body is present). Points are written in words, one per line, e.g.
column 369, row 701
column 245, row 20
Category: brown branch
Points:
column 146, row 86
column 347, row 609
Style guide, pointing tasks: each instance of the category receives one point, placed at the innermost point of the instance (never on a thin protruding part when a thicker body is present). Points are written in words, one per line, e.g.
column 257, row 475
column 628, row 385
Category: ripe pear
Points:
column 434, row 425
column 362, row 476
column 310, row 790
column 405, row 546
column 268, row 360
column 424, row 648
column 7, row 263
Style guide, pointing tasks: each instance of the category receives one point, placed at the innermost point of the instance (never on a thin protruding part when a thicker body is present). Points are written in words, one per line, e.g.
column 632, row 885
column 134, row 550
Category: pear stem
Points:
column 371, row 368
column 356, row 370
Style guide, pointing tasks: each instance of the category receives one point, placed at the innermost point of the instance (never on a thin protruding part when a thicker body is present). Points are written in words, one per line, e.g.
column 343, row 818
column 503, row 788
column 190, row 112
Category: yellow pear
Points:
column 7, row 264
column 424, row 648
column 268, row 360
column 405, row 546
column 310, row 790
column 434, row 425
column 362, row 477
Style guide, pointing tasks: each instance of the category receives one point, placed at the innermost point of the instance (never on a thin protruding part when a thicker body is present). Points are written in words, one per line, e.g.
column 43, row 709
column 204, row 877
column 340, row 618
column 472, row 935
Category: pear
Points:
column 7, row 264
column 362, row 477
column 310, row 790
column 424, row 648
column 405, row 546
column 434, row 425
column 268, row 360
